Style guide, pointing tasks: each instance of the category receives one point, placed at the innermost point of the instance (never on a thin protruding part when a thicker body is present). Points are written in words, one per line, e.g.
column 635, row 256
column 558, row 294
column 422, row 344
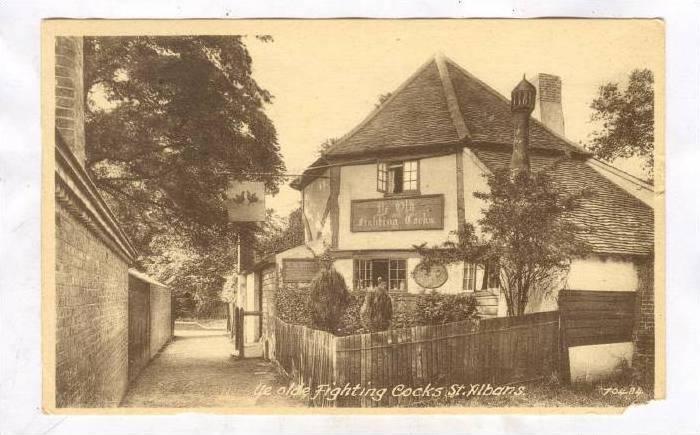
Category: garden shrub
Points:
column 329, row 297
column 435, row 308
column 376, row 311
column 350, row 320
column 292, row 305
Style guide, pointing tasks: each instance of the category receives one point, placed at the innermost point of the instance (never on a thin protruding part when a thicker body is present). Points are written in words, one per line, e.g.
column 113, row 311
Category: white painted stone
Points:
column 595, row 362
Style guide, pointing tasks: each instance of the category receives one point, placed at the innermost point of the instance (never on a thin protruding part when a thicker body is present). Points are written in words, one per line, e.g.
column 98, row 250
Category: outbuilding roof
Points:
column 612, row 220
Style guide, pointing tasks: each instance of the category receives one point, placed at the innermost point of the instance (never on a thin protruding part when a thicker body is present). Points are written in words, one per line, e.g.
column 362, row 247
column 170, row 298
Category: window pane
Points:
column 397, row 275
column 381, row 177
column 410, row 176
column 362, row 274
column 469, row 277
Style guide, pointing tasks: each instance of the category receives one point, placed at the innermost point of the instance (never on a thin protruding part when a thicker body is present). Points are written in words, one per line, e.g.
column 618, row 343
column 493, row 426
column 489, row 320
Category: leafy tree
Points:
column 381, row 99
column 524, row 235
column 326, row 145
column 627, row 118
column 170, row 122
column 279, row 234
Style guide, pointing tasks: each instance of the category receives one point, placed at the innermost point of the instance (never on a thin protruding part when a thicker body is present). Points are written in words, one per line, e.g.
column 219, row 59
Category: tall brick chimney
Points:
column 522, row 102
column 548, row 107
column 69, row 101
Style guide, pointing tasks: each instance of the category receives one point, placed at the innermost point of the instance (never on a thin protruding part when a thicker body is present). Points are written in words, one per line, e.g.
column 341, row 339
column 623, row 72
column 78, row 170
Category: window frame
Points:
column 382, row 177
column 384, row 171
column 486, row 271
column 363, row 272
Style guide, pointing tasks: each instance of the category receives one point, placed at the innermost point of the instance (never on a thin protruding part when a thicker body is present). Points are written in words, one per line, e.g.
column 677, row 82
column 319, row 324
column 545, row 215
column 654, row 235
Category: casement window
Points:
column 480, row 277
column 366, row 274
column 398, row 177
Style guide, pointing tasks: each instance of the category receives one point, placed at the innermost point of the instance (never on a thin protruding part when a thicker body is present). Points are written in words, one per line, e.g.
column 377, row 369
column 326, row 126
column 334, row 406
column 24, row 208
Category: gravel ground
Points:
column 197, row 370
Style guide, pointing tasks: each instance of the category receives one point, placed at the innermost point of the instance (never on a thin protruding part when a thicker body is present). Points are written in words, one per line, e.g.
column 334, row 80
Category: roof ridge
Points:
column 451, row 98
column 381, row 107
column 486, row 86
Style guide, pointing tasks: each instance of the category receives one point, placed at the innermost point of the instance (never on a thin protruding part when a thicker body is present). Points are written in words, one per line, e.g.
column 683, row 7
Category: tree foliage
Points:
column 382, row 99
column 279, row 234
column 627, row 120
column 170, row 122
column 524, row 233
column 326, row 145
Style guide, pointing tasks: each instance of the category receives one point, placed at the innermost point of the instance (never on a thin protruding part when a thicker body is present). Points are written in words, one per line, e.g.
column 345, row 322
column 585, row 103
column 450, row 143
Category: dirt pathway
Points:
column 196, row 370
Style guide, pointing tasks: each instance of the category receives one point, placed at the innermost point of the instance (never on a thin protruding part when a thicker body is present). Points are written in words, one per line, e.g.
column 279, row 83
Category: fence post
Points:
column 240, row 334
column 564, row 366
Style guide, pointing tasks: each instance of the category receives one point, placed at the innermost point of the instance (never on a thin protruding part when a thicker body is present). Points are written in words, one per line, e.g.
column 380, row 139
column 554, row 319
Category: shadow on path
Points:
column 196, row 369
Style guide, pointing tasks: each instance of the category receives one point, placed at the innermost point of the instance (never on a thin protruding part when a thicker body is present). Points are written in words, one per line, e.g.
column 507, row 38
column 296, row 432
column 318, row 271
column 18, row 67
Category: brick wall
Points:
column 91, row 324
column 643, row 333
column 70, row 105
column 549, row 104
column 161, row 323
column 92, row 259
column 549, row 88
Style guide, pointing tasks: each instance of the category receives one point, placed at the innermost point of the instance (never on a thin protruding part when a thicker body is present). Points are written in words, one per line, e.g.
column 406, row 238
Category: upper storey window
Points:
column 398, row 177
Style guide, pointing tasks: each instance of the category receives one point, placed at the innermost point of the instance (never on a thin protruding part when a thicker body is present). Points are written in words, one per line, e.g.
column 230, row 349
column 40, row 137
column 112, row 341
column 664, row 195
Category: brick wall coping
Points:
column 76, row 191
column 146, row 278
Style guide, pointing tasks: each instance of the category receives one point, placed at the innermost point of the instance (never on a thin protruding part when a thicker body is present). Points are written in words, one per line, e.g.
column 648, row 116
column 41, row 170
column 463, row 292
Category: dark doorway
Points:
column 380, row 268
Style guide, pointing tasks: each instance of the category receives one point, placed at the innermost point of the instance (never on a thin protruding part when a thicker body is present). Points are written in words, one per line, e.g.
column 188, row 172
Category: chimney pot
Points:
column 522, row 103
column 549, row 108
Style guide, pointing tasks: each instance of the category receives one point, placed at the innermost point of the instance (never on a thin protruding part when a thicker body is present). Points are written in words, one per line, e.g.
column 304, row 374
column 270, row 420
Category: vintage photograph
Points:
column 328, row 215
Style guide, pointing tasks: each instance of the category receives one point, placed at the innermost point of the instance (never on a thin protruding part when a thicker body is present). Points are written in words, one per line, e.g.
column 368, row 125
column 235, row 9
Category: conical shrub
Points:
column 376, row 311
column 329, row 296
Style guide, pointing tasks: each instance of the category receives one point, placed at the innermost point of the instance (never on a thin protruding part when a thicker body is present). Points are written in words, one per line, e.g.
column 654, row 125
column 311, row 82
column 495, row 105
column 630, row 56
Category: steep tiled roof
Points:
column 613, row 221
column 415, row 114
column 442, row 104
column 488, row 117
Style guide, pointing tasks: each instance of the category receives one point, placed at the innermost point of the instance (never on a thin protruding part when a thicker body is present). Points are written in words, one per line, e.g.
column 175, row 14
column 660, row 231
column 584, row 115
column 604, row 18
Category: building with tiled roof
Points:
column 407, row 175
column 437, row 135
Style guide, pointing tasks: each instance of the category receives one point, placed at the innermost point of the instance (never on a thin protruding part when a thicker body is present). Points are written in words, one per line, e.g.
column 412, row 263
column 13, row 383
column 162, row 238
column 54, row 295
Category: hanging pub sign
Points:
column 397, row 214
column 245, row 201
column 430, row 277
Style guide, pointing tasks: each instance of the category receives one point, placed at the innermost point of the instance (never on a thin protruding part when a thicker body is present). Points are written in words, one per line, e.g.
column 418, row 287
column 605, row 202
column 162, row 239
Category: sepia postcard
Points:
column 352, row 216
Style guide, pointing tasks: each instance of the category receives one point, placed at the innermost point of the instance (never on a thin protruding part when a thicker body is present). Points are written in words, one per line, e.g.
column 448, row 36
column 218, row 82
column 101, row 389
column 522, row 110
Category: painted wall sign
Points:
column 430, row 277
column 245, row 201
column 398, row 214
column 299, row 270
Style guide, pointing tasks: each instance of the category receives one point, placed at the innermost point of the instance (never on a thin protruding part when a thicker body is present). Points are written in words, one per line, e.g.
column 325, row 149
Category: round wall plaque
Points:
column 430, row 277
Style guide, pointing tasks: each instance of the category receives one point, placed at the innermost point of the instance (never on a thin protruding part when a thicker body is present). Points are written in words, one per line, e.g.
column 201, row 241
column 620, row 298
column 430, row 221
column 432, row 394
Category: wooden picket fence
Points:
column 306, row 355
column 498, row 351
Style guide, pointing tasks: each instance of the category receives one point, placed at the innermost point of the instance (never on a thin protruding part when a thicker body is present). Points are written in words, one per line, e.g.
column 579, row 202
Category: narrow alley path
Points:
column 197, row 370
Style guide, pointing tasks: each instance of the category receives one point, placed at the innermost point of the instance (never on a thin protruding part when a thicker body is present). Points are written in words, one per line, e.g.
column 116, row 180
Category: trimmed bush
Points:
column 435, row 308
column 329, row 297
column 376, row 311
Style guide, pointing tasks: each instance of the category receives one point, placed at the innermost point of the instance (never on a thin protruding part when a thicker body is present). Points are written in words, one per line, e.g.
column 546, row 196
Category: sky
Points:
column 326, row 76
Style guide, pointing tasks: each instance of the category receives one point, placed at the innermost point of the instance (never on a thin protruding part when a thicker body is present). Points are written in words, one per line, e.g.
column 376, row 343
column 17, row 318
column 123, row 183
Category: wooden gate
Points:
column 596, row 317
column 139, row 326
